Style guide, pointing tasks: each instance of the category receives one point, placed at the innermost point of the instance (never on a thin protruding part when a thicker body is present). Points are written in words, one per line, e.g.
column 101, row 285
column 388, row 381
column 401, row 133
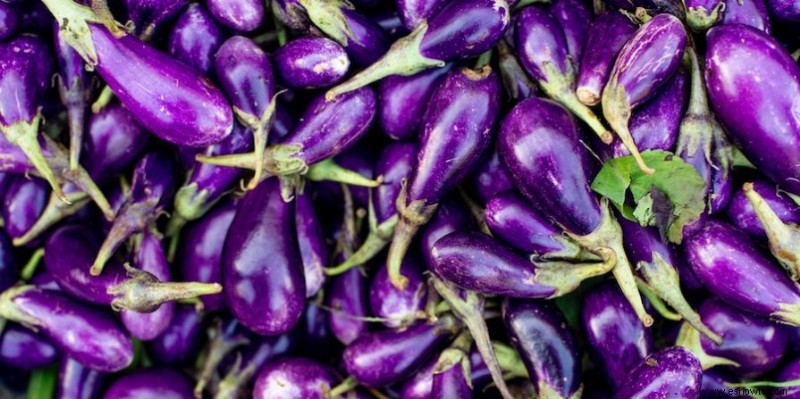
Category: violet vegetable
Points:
column 9, row 20
column 9, row 271
column 516, row 81
column 150, row 383
column 607, row 35
column 783, row 238
column 741, row 213
column 398, row 308
column 402, row 101
column 671, row 372
column 784, row 10
column 573, row 16
column 347, row 299
column 297, row 378
column 74, row 87
column 180, row 340
column 148, row 15
column 239, row 15
column 789, row 372
column 311, row 240
column 747, row 12
column 489, row 179
column 24, row 349
column 23, row 203
column 703, row 14
column 415, row 12
column 195, row 38
column 451, row 375
column 311, row 63
column 75, row 381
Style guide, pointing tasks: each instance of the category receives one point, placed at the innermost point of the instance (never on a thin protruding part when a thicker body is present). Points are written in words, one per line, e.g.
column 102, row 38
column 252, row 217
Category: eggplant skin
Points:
column 672, row 372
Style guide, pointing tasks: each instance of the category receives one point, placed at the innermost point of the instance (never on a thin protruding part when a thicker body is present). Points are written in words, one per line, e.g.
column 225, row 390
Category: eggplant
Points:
column 747, row 12
column 255, row 358
column 347, row 299
column 292, row 14
column 671, row 372
column 74, row 88
column 784, row 10
column 451, row 215
column 75, row 381
column 103, row 346
column 415, row 12
column 456, row 132
column 171, row 101
column 734, row 269
column 195, row 38
column 24, row 349
column 151, row 383
column 297, row 378
column 262, row 269
column 398, row 308
column 419, row 386
column 574, row 17
column 239, row 15
column 617, row 338
column 607, row 35
column 516, row 81
column 179, row 342
column 548, row 349
column 644, row 64
column 459, row 30
column 489, row 179
column 402, row 101
column 9, row 20
column 24, row 201
column 769, row 134
column 703, row 14
column 148, row 15
column 539, row 144
column 789, row 372
column 311, row 63
column 742, row 215
column 451, row 375
column 311, row 239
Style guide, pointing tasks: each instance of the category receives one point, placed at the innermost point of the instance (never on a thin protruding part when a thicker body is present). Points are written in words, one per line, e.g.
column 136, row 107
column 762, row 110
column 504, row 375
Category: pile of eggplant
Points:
column 553, row 199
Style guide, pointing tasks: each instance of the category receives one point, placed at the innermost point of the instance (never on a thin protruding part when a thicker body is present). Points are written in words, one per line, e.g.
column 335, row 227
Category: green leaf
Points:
column 42, row 384
column 670, row 198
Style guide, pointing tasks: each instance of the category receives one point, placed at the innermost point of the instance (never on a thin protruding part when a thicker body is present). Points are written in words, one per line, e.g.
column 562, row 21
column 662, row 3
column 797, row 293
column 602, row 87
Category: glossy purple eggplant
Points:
column 195, row 38
column 398, row 308
column 239, row 15
column 148, row 15
column 24, row 349
column 414, row 12
column 490, row 178
column 311, row 240
column 76, row 381
column 23, row 203
column 311, row 63
column 294, row 378
column 151, row 383
column 420, row 384
column 451, row 376
column 543, row 51
column 769, row 134
column 789, row 372
column 787, row 11
column 180, row 341
column 643, row 66
column 617, row 338
column 9, row 20
column 747, row 12
column 86, row 334
column 74, row 87
column 9, row 270
column 607, row 35
column 402, row 101
column 701, row 15
column 734, row 269
column 262, row 268
column 451, row 215
column 382, row 358
column 347, row 299
column 574, row 17
column 539, row 144
column 171, row 101
column 741, row 214
column 459, row 30
column 254, row 357
column 457, row 130
column 548, row 349
column 671, row 372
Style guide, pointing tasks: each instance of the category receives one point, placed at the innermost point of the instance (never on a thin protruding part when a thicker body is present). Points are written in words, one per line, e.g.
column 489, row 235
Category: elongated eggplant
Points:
column 75, row 381
column 311, row 63
column 741, row 214
column 23, row 204
column 574, row 17
column 24, row 349
column 402, row 101
column 151, row 383
column 195, row 38
column 489, row 179
column 607, row 35
column 103, row 346
column 732, row 267
column 292, row 14
column 617, row 338
column 262, row 268
column 457, row 131
column 311, row 239
column 459, row 30
column 644, row 64
column 148, row 15
column 74, row 87
column 539, row 144
column 294, row 378
column 239, row 15
column 347, row 298
column 548, row 349
column 170, row 100
column 672, row 372
column 747, row 12
column 768, row 135
column 398, row 308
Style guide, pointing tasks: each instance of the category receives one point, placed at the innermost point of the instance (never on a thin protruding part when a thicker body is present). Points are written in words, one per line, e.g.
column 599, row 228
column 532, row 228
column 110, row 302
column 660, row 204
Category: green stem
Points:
column 483, row 59
column 42, row 383
column 105, row 97
column 347, row 385
column 765, row 384
column 30, row 268
column 657, row 303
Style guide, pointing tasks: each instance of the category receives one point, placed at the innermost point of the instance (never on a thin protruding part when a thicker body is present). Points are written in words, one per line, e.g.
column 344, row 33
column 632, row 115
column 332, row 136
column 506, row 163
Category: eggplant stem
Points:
column 11, row 311
column 133, row 218
column 76, row 114
column 788, row 314
column 218, row 348
column 142, row 292
column 617, row 111
column 689, row 338
column 784, row 239
column 329, row 170
column 25, row 135
column 565, row 277
column 103, row 99
column 347, row 385
column 509, row 360
column 375, row 242
column 55, row 211
column 411, row 217
column 30, row 267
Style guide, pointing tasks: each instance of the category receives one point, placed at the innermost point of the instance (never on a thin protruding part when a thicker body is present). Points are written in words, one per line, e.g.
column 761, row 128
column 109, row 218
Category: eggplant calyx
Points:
column 784, row 239
column 452, row 357
column 236, row 379
column 190, row 203
column 375, row 242
column 700, row 19
column 689, row 338
column 663, row 279
column 509, row 360
column 142, row 292
column 260, row 126
column 79, row 177
column 547, row 392
column 73, row 20
column 329, row 170
column 11, row 311
column 134, row 217
column 608, row 235
column 24, row 134
column 347, row 385
column 55, row 211
column 565, row 277
column 656, row 302
column 328, row 17
column 788, row 314
column 218, row 348
column 403, row 58
column 617, row 111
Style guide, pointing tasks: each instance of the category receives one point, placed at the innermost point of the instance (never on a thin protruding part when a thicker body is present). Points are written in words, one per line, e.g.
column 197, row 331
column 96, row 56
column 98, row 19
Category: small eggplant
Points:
column 741, row 214
column 195, row 38
column 398, row 308
column 451, row 375
column 607, row 35
column 644, row 64
column 311, row 239
column 669, row 373
column 574, row 17
column 784, row 10
column 734, row 269
column 347, row 299
column 24, row 349
column 23, row 203
column 311, row 63
column 253, row 359
column 747, row 12
column 9, row 20
column 451, row 215
column 294, row 378
column 262, row 268
column 74, row 87
column 148, row 15
column 456, row 132
column 103, row 345
column 701, row 15
column 619, row 341
column 414, row 12
column 459, row 30
column 489, row 179
column 151, row 383
column 239, row 15
column 548, row 349
column 402, row 101
column 769, row 134
column 75, row 381
column 419, row 386
column 179, row 343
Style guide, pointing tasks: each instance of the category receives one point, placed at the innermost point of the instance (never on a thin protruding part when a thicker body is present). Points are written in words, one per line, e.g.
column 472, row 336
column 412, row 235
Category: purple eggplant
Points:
column 347, row 299
column 239, row 15
column 294, row 378
column 477, row 262
column 170, row 100
column 251, row 360
column 151, row 383
column 180, row 341
column 747, row 12
column 548, row 349
column 398, row 308
column 456, row 132
column 701, row 15
column 262, row 268
column 75, row 381
column 644, row 64
column 669, row 373
column 74, row 87
column 539, row 144
column 516, row 81
column 490, row 178
column 148, row 15
column 414, row 12
column 86, row 334
column 607, row 35
column 614, row 333
column 9, row 20
column 789, row 372
column 24, row 349
column 311, row 239
column 402, row 101
column 769, row 134
column 201, row 249
column 311, row 63
column 9, row 270
column 195, row 38
column 543, row 51
column 741, row 213
column 459, row 30
column 451, row 215
column 574, row 17
column 451, row 375
column 733, row 268
column 292, row 14
column 419, row 386
column 24, row 201
column 784, row 10
column 382, row 358
column 25, row 70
